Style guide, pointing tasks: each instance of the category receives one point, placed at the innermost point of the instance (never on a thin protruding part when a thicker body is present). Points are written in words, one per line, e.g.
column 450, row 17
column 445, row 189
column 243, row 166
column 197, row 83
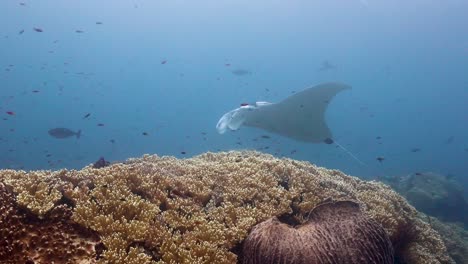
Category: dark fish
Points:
column 227, row 64
column 183, row 152
column 38, row 29
column 79, row 31
column 241, row 72
column 21, row 32
column 164, row 62
column 98, row 23
column 450, row 176
column 144, row 133
column 326, row 65
column 415, row 149
column 35, row 91
column 101, row 163
column 61, row 132
column 10, row 113
column 86, row 116
column 378, row 137
column 100, row 124
column 265, row 136
column 380, row 159
column 112, row 141
column 244, row 104
column 449, row 140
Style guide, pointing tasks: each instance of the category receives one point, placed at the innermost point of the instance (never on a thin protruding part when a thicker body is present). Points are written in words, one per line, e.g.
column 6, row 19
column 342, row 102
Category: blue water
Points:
column 406, row 60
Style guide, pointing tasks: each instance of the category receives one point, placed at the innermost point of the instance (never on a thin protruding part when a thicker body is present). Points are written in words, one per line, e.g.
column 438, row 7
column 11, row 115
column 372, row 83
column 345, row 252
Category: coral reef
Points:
column 434, row 194
column 335, row 232
column 455, row 238
column 198, row 210
column 28, row 239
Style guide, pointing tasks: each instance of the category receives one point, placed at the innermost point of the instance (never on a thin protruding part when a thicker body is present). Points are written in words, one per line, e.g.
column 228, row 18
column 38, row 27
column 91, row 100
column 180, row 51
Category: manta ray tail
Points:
column 350, row 154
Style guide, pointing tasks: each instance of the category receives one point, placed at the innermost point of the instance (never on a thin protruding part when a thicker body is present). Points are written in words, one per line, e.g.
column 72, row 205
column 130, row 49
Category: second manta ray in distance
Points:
column 300, row 116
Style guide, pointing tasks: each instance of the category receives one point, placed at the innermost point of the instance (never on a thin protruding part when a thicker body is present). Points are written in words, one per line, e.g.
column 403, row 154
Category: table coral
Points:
column 200, row 210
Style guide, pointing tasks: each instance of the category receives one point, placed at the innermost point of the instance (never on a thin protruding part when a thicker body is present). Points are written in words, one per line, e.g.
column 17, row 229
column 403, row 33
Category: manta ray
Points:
column 300, row 116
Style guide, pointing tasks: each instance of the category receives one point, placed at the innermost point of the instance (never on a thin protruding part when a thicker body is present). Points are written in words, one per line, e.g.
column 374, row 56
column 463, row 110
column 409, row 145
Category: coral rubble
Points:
column 198, row 210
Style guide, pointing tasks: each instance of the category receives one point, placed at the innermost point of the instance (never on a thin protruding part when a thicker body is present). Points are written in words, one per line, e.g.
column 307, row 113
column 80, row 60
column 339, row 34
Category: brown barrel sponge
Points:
column 336, row 232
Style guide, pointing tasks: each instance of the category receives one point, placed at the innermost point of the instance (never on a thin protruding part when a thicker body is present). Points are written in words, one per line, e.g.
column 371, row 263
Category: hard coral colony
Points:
column 201, row 210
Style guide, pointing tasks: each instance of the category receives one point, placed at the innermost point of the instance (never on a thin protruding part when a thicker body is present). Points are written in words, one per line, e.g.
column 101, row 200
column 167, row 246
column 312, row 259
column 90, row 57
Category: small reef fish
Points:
column 61, row 133
column 380, row 159
column 10, row 113
column 326, row 65
column 449, row 140
column 21, row 32
column 86, row 116
column 79, row 31
column 241, row 72
column 38, row 29
column 164, row 62
column 98, row 23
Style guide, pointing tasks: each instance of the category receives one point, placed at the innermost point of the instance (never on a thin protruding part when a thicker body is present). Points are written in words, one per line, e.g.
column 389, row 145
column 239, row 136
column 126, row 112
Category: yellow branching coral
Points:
column 199, row 210
column 37, row 191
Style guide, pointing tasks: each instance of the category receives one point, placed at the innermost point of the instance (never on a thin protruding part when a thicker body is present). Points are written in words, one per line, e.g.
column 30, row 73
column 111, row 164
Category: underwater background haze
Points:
column 155, row 76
